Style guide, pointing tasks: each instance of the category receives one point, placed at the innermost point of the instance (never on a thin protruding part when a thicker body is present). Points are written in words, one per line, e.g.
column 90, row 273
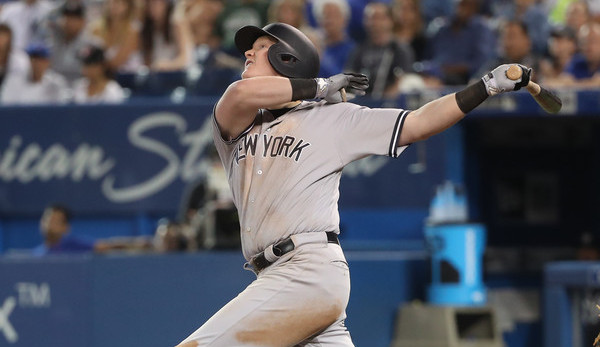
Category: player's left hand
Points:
column 330, row 88
column 497, row 82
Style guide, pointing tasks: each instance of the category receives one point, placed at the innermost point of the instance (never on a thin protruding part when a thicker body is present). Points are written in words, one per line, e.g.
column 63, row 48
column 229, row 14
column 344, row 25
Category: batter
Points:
column 284, row 158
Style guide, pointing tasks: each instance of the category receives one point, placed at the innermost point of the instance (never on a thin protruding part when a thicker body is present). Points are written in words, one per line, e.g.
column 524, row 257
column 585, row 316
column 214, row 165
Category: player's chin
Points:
column 247, row 73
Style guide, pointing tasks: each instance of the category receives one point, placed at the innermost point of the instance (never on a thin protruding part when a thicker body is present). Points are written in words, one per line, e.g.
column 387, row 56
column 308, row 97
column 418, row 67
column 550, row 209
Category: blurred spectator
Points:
column 516, row 47
column 213, row 69
column 202, row 16
column 55, row 228
column 68, row 38
column 380, row 57
column 287, row 11
column 13, row 61
column 562, row 46
column 96, row 86
column 535, row 17
column 119, row 32
column 578, row 14
column 26, row 18
column 436, row 8
column 166, row 37
column 584, row 69
column 332, row 16
column 169, row 237
column 42, row 86
column 460, row 45
column 236, row 14
column 409, row 26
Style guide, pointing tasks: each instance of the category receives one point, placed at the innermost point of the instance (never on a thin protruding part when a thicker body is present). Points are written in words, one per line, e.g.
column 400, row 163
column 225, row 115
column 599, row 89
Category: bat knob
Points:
column 514, row 72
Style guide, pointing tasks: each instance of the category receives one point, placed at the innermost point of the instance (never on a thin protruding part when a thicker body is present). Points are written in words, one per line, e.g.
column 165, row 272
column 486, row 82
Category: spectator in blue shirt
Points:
column 460, row 46
column 584, row 68
column 332, row 17
column 55, row 228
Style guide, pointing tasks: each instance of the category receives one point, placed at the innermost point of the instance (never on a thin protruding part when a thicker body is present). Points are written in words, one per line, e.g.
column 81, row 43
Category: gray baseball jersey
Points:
column 284, row 172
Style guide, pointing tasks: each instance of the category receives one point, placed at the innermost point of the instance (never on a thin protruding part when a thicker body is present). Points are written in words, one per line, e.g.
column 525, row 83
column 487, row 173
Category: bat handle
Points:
column 514, row 72
column 533, row 88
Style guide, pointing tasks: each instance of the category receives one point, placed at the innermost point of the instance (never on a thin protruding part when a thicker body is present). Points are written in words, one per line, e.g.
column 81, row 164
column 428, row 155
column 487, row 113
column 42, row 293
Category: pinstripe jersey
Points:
column 284, row 172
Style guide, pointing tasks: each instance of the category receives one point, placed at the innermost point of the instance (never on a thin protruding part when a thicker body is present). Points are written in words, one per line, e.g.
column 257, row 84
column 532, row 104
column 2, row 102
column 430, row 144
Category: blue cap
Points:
column 38, row 50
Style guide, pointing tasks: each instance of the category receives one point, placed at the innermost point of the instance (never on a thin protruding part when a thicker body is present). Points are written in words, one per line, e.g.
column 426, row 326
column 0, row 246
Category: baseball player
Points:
column 284, row 158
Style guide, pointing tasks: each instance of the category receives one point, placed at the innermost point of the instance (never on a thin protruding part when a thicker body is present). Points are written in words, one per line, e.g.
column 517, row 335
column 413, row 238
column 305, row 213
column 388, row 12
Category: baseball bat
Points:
column 546, row 99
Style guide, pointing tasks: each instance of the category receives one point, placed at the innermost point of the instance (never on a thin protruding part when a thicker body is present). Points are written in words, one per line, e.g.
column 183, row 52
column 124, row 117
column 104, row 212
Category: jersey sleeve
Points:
column 225, row 147
column 361, row 131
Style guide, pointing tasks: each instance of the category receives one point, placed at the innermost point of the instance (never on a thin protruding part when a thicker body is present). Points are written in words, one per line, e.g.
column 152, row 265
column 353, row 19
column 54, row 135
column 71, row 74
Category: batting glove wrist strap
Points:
column 303, row 88
column 497, row 82
column 470, row 97
column 322, row 87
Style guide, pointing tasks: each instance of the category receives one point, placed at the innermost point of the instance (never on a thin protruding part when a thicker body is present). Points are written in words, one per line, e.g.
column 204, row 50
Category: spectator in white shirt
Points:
column 42, row 86
column 96, row 86
column 68, row 38
column 13, row 61
column 27, row 19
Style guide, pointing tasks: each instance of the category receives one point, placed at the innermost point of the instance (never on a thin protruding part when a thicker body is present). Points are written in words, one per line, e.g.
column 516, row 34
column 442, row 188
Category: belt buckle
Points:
column 282, row 247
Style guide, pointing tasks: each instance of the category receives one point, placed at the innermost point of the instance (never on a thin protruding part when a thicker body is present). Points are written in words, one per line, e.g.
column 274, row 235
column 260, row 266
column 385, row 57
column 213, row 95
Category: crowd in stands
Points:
column 103, row 51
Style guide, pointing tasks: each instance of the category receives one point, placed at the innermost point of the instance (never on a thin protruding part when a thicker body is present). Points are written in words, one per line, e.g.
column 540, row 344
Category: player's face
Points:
column 257, row 61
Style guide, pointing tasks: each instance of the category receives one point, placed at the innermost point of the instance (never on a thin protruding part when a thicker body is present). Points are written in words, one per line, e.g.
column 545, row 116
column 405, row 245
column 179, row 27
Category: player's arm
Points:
column 440, row 114
column 236, row 109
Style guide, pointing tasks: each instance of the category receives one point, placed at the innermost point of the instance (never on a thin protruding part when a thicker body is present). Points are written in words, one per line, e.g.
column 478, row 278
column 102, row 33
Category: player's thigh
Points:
column 286, row 305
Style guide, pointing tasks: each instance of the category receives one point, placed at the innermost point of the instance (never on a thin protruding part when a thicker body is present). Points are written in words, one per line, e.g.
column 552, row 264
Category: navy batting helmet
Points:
column 293, row 55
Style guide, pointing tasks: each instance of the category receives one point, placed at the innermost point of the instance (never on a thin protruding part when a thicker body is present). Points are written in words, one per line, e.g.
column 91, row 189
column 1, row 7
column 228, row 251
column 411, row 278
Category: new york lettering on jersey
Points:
column 273, row 146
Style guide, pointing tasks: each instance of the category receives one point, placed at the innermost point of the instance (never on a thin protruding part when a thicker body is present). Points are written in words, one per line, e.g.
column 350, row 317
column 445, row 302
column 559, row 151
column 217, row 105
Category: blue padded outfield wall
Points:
column 157, row 300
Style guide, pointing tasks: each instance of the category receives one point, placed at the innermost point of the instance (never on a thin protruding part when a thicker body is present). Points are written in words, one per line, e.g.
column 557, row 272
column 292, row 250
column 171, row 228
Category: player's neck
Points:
column 290, row 104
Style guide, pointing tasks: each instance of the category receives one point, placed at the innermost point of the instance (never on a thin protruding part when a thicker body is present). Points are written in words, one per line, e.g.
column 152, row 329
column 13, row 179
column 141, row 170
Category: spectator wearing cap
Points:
column 26, row 18
column 41, row 86
column 68, row 38
column 562, row 46
column 96, row 86
column 13, row 61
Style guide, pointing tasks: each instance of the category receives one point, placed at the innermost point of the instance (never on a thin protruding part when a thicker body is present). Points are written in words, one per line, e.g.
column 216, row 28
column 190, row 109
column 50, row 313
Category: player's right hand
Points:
column 330, row 88
column 497, row 82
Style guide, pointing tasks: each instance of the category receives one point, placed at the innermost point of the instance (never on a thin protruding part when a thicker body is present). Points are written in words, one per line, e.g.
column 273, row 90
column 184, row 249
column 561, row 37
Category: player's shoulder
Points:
column 325, row 108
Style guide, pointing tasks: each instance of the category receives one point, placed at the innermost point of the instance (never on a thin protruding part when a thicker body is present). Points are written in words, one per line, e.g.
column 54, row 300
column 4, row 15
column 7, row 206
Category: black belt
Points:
column 259, row 262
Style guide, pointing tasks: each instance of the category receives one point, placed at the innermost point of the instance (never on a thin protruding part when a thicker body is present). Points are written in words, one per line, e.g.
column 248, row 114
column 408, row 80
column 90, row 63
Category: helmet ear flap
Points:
column 285, row 60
